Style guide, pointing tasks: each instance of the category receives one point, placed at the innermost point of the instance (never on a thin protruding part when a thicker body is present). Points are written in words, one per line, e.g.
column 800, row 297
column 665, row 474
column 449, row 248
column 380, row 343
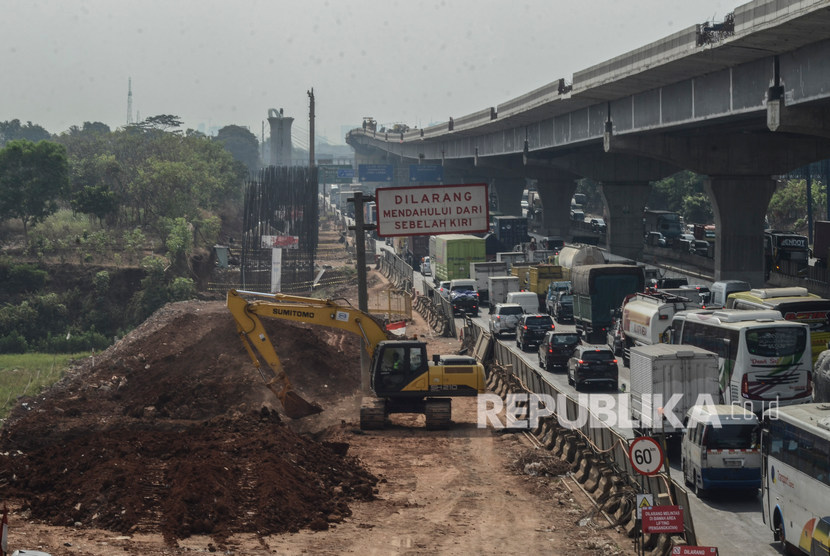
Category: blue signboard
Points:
column 431, row 173
column 375, row 172
column 345, row 173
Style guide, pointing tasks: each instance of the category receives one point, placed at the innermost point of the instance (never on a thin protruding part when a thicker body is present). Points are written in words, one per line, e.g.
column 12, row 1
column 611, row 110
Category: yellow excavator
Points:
column 403, row 379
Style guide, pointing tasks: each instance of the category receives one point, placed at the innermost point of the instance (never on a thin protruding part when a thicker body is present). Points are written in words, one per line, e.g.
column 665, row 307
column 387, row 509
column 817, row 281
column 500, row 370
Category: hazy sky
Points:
column 214, row 63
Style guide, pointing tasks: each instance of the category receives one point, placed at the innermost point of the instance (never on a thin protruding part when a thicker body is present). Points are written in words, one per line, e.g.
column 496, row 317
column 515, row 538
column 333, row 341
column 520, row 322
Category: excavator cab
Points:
column 396, row 364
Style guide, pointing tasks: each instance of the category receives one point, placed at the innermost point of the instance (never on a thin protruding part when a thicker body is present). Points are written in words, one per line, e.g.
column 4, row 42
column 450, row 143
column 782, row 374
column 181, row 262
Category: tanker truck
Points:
column 645, row 317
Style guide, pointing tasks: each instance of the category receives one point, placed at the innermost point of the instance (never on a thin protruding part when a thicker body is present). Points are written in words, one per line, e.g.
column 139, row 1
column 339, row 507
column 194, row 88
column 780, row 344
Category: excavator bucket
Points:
column 296, row 407
column 292, row 403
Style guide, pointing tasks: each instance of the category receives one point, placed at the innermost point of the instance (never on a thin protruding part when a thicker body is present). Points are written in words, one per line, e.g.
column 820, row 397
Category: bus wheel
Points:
column 780, row 532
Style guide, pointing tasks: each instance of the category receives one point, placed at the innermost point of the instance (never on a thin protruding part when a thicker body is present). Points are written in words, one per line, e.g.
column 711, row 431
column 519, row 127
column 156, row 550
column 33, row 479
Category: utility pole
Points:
column 362, row 289
column 311, row 129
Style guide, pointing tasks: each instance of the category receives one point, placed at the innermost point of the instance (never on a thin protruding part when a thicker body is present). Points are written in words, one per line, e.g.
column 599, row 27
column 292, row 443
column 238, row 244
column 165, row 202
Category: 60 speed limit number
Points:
column 646, row 455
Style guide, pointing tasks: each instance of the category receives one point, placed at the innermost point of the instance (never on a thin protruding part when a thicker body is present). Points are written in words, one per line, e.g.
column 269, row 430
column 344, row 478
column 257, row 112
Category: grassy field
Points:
column 28, row 374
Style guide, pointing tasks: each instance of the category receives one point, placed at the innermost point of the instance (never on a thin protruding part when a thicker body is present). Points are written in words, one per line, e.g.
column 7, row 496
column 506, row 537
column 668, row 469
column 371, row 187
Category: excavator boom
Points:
column 246, row 307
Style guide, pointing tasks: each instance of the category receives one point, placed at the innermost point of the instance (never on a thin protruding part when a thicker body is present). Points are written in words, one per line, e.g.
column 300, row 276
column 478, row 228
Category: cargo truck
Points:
column 666, row 381
column 511, row 258
column 415, row 249
column 498, row 287
column 647, row 316
column 453, row 255
column 481, row 272
column 510, row 231
column 598, row 290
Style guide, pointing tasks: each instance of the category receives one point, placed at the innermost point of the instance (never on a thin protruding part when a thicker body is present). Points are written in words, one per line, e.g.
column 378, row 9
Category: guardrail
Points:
column 597, row 453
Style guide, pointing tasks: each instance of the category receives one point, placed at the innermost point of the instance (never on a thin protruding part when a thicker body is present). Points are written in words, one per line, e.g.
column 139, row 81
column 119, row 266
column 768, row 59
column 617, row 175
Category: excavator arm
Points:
column 247, row 307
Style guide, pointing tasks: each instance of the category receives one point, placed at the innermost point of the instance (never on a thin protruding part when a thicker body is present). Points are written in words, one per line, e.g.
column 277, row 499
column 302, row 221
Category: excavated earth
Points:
column 172, row 430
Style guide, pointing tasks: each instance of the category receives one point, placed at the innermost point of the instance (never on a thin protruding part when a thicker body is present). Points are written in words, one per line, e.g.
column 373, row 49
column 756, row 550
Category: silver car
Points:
column 504, row 317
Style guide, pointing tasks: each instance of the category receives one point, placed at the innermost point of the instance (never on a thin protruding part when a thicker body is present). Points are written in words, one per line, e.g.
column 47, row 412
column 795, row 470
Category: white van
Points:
column 721, row 448
column 528, row 300
column 720, row 290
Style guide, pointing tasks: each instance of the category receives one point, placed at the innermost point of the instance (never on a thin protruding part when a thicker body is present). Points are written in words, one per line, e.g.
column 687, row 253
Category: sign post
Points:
column 646, row 456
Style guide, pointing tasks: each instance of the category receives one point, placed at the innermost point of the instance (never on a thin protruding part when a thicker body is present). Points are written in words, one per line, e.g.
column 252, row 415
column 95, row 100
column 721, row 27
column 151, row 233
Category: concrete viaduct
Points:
column 741, row 102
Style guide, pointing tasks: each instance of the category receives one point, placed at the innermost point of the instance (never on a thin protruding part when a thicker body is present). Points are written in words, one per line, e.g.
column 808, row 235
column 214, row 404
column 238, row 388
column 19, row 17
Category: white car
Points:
column 426, row 267
column 504, row 318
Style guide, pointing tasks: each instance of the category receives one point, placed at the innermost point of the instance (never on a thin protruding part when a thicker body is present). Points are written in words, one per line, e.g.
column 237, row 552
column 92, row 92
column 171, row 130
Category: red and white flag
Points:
column 398, row 328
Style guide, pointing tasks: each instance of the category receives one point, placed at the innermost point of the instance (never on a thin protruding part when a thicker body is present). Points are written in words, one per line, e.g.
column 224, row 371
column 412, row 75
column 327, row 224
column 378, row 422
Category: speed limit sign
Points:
column 646, row 455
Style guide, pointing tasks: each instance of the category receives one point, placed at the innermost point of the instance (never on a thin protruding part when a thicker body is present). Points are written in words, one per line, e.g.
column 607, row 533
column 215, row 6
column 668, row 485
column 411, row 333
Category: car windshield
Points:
column 510, row 311
column 564, row 339
column 597, row 355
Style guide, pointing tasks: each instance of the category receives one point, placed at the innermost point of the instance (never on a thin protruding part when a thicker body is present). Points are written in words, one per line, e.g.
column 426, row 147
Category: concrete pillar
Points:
column 281, row 149
column 625, row 202
column 556, row 197
column 509, row 192
column 740, row 204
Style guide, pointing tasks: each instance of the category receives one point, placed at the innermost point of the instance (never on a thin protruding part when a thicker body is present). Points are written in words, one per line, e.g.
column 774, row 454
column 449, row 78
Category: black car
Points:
column 563, row 309
column 531, row 328
column 591, row 364
column 556, row 348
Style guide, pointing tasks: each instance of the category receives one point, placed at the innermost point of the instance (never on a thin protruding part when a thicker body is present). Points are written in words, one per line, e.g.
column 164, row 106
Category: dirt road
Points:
column 458, row 492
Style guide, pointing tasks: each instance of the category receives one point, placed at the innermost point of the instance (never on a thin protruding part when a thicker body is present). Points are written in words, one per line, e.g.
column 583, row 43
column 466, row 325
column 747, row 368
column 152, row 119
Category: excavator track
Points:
column 438, row 414
column 372, row 414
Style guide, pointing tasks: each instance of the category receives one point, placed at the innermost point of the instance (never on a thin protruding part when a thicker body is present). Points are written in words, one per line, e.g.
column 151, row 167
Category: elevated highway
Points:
column 741, row 102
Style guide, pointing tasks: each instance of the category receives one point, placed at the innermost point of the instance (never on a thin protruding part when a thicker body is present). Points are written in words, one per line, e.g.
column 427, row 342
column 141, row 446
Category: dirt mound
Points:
column 172, row 430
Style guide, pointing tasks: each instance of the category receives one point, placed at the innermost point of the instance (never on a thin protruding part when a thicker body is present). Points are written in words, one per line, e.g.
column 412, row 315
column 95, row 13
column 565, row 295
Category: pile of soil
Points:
column 172, row 430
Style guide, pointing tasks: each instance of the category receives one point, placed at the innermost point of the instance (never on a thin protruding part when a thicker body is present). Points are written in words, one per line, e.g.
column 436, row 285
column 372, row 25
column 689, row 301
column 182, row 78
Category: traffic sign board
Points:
column 644, row 501
column 663, row 519
column 646, row 455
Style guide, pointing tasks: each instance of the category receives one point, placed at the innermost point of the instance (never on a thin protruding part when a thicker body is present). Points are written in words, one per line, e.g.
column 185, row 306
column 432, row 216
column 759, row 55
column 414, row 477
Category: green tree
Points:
column 242, row 144
column 33, row 178
column 12, row 131
column 787, row 209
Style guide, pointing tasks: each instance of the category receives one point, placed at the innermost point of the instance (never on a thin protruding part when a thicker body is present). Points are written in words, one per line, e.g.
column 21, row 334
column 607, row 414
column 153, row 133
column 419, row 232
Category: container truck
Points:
column 481, row 272
column 598, row 290
column 498, row 287
column 510, row 231
column 647, row 316
column 666, row 381
column 453, row 255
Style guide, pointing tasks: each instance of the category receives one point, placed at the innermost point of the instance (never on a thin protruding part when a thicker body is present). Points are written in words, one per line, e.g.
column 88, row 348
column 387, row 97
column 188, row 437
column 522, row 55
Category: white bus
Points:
column 764, row 361
column 795, row 486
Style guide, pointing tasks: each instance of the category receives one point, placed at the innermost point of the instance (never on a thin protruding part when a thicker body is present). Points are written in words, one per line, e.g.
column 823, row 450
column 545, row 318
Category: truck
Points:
column 647, row 316
column 402, row 377
column 539, row 277
column 511, row 258
column 821, row 242
column 510, row 231
column 481, row 272
column 598, row 290
column 664, row 221
column 786, row 249
column 670, row 376
column 453, row 255
column 498, row 287
column 579, row 254
column 415, row 249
